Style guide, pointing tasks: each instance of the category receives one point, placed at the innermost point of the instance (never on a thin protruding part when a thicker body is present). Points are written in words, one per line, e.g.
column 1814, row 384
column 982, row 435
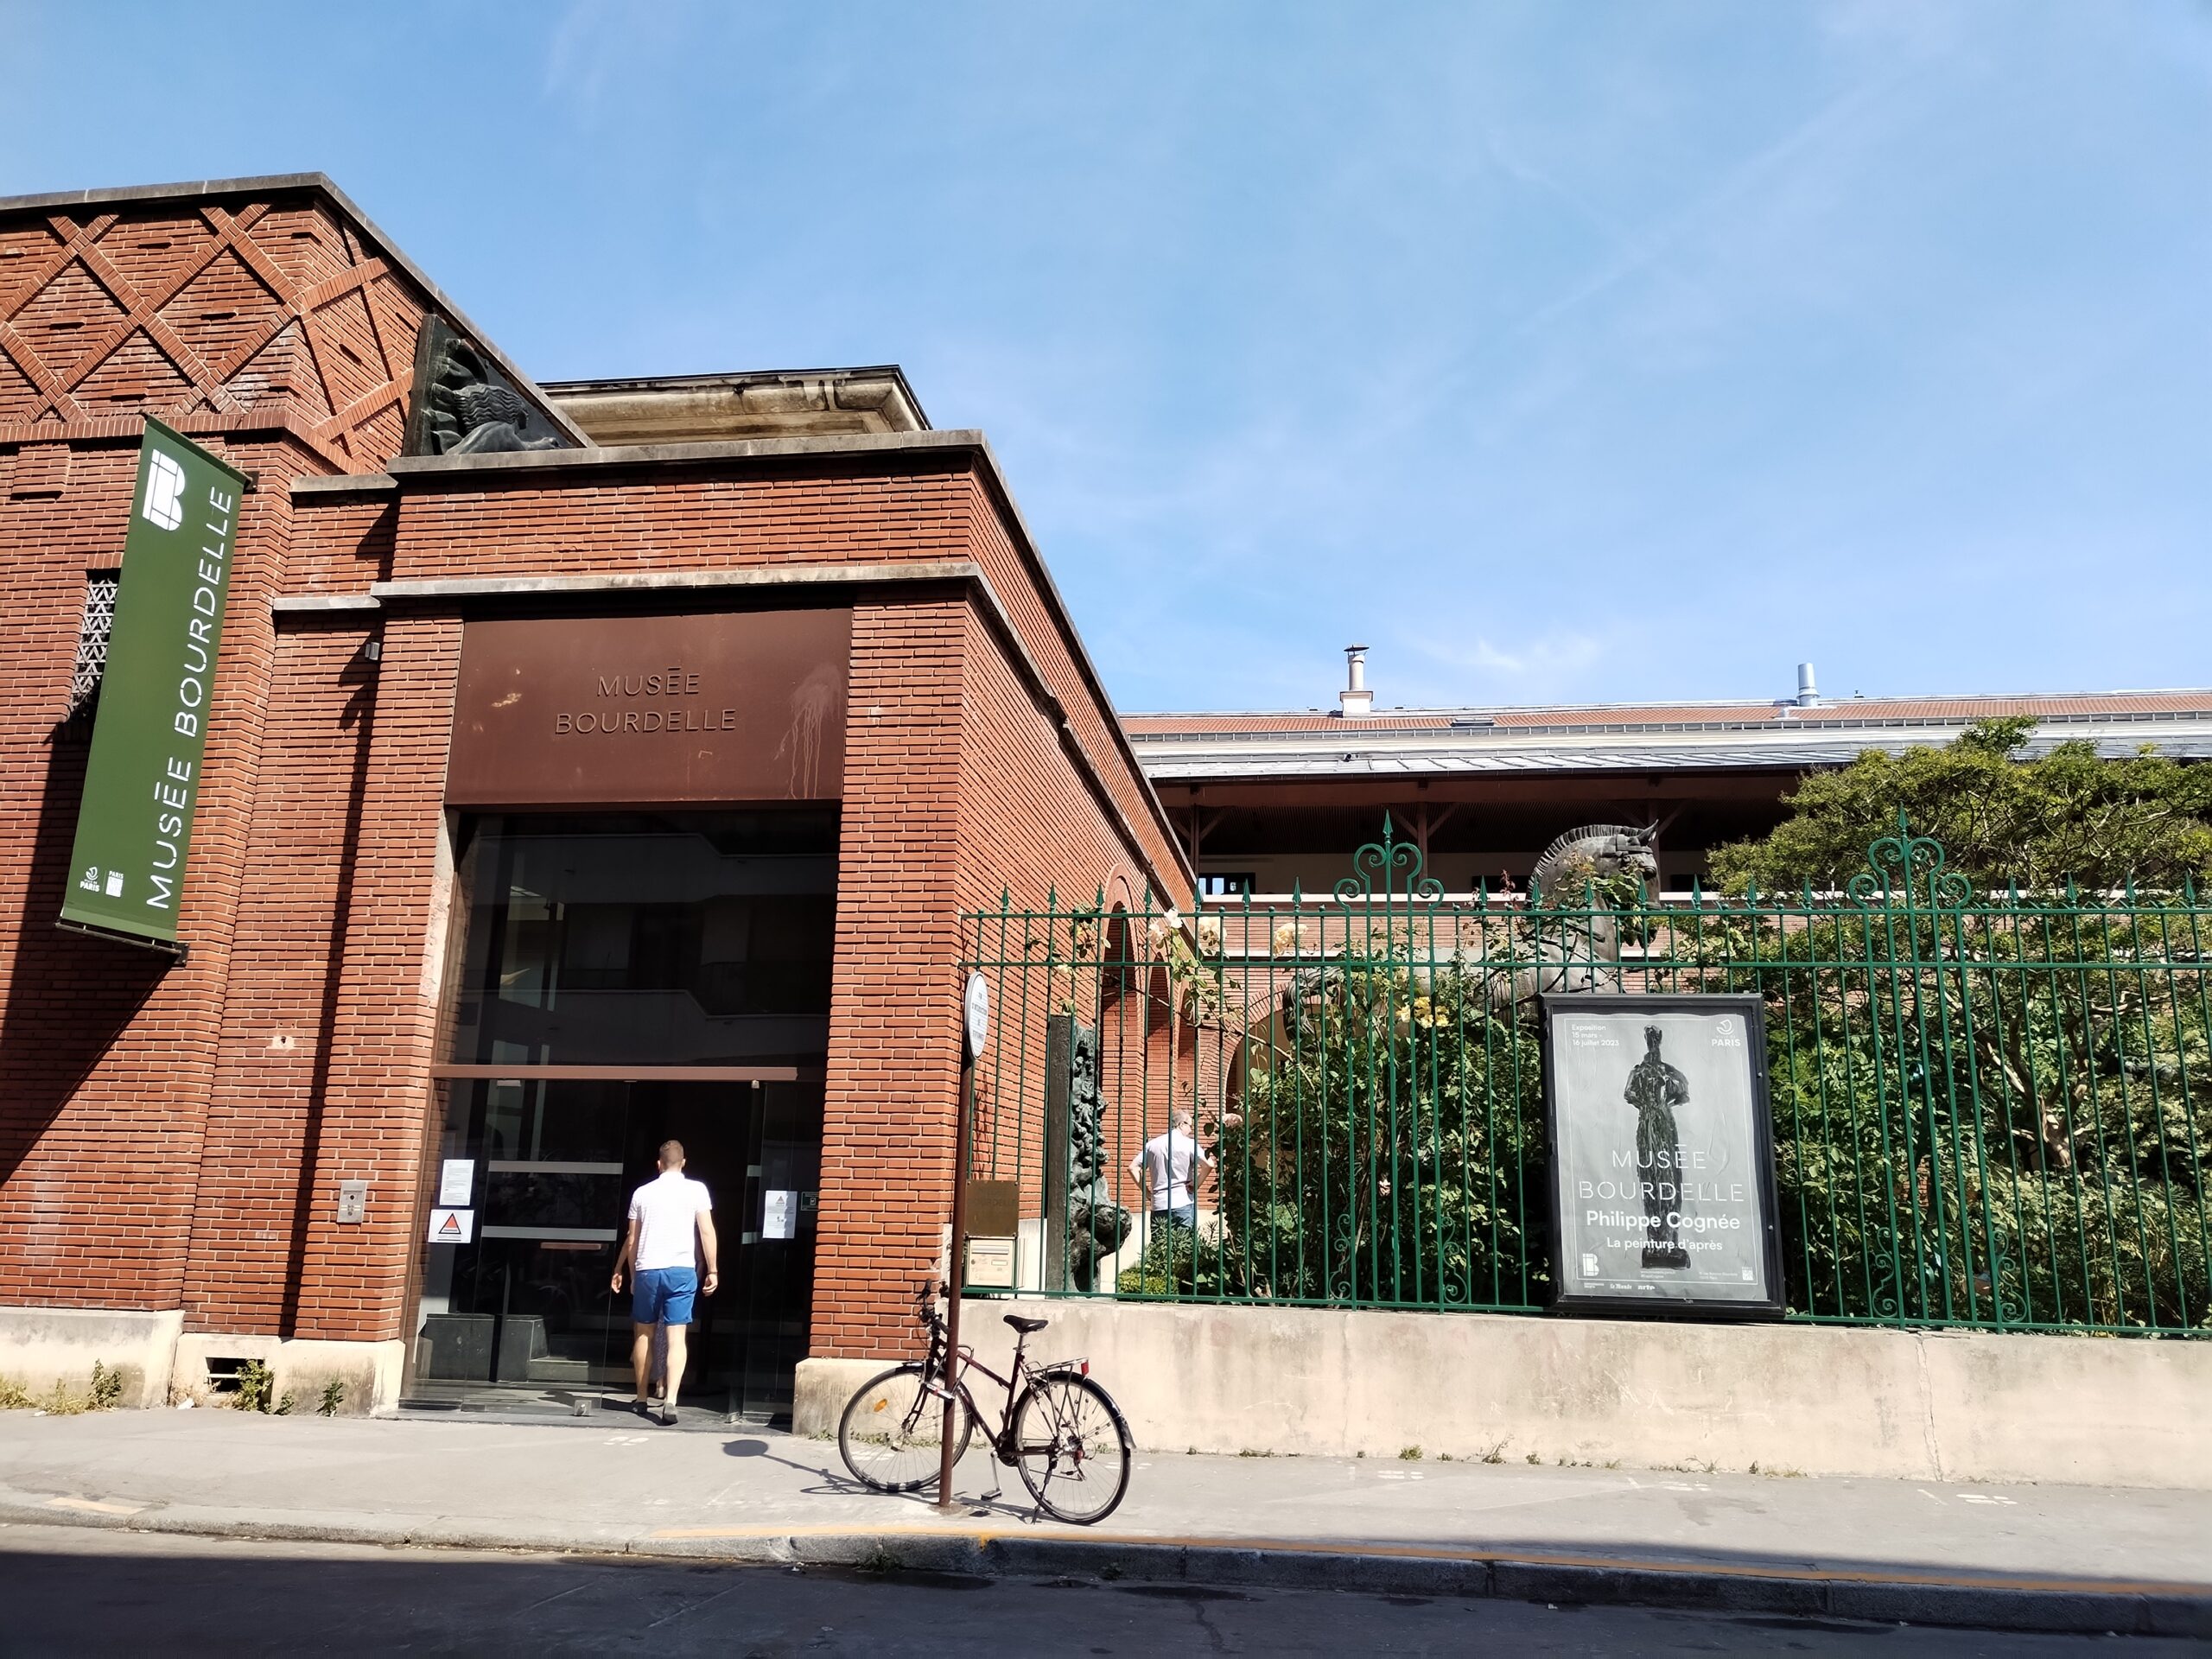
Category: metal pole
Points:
column 955, row 1275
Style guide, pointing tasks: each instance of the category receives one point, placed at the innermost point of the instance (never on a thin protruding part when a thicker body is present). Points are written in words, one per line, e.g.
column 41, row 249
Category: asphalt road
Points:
column 69, row 1590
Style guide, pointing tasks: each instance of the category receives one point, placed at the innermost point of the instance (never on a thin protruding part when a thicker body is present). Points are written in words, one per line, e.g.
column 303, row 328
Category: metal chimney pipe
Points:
column 1355, row 700
column 1808, row 694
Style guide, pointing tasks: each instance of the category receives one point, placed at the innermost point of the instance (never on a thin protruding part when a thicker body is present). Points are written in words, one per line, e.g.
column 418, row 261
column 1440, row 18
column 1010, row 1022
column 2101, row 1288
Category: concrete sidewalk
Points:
column 2012, row 1557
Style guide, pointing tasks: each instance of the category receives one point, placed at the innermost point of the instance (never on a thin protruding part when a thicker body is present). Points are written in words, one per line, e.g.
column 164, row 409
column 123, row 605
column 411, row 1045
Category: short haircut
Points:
column 671, row 1154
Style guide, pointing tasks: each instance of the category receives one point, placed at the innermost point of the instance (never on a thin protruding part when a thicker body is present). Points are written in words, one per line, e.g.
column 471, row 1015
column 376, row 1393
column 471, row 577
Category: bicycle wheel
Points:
column 1076, row 1450
column 891, row 1436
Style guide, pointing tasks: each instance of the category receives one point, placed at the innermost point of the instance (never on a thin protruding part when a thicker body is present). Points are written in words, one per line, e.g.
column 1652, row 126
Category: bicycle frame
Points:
column 1056, row 1425
column 1021, row 1374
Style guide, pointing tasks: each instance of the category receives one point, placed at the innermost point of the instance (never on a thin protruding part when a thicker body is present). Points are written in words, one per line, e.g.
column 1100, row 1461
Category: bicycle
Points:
column 1059, row 1428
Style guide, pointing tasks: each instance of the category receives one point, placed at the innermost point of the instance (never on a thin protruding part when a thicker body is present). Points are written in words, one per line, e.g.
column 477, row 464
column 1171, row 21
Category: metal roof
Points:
column 1670, row 737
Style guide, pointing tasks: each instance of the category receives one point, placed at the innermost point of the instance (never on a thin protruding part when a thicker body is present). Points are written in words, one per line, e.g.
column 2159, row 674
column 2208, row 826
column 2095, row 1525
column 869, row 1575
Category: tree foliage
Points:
column 1389, row 1141
column 1998, row 1113
column 1988, row 1113
column 2003, row 817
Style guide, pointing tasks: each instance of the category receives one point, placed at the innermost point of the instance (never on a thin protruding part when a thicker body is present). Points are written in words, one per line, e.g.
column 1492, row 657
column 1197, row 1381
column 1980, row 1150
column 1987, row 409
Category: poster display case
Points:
column 1661, row 1185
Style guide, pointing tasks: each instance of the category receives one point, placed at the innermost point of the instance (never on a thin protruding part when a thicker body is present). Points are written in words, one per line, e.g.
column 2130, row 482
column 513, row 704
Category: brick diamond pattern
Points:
column 216, row 318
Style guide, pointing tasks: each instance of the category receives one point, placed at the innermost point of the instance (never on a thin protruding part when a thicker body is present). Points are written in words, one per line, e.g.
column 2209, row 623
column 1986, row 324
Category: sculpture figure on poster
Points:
column 1655, row 1089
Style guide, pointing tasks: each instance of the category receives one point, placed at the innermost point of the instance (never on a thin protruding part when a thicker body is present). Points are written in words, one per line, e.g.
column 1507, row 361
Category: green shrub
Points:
column 1181, row 1262
column 256, row 1387
column 1333, row 1191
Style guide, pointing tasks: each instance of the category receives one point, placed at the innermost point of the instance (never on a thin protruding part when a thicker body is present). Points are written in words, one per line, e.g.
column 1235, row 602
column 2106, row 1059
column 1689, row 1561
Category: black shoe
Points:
column 668, row 1416
column 642, row 1410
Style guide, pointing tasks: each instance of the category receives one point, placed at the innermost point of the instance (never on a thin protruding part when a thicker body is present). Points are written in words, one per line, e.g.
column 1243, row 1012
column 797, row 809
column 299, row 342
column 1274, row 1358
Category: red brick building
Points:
column 589, row 763
column 583, row 766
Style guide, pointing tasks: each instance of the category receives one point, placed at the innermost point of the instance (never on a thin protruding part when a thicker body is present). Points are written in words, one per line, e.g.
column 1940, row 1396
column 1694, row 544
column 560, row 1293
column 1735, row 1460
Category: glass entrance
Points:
column 626, row 980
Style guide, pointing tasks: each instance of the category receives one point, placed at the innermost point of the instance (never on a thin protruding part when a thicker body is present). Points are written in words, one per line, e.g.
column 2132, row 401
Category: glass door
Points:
column 546, row 1166
column 626, row 980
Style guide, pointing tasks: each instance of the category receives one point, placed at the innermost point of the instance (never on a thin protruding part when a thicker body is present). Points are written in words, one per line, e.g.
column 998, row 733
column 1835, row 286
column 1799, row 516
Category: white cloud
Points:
column 1538, row 666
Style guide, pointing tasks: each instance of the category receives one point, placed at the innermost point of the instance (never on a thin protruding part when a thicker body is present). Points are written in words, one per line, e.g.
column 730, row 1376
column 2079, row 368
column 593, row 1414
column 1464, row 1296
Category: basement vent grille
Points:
column 92, row 632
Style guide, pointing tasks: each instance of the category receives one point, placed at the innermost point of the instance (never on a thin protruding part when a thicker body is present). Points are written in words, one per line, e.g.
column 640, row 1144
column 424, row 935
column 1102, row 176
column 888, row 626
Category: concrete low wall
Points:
column 370, row 1371
column 1812, row 1399
column 42, row 1346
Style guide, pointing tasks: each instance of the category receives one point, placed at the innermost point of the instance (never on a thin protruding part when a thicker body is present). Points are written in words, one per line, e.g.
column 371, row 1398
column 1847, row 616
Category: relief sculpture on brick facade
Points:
column 464, row 406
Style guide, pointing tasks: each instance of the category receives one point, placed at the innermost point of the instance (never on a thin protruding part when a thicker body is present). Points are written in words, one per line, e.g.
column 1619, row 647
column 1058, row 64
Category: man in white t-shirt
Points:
column 671, row 1232
column 1168, row 1167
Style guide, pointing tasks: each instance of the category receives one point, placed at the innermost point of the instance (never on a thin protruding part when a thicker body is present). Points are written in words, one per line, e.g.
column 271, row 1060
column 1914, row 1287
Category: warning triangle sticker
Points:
column 450, row 1224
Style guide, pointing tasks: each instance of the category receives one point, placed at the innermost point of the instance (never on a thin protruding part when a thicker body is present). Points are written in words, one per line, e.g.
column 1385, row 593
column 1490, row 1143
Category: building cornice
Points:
column 479, row 471
column 789, row 403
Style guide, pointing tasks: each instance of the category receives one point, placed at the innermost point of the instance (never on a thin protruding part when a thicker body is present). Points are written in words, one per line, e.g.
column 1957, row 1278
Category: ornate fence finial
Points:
column 1387, row 859
column 1909, row 869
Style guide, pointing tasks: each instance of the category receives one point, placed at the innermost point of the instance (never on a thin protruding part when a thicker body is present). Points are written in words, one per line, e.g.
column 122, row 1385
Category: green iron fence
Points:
column 1989, row 1109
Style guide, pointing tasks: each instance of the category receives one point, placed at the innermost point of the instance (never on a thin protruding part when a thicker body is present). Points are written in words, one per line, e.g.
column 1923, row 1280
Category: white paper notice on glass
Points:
column 452, row 1226
column 456, row 1179
column 781, row 1219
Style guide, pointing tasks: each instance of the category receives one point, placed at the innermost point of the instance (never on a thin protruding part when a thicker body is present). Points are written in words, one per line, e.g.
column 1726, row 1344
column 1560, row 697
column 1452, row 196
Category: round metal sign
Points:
column 977, row 1005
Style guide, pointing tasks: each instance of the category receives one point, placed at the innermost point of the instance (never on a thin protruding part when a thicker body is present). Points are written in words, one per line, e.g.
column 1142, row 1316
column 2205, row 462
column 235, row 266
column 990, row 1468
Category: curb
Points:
column 1979, row 1601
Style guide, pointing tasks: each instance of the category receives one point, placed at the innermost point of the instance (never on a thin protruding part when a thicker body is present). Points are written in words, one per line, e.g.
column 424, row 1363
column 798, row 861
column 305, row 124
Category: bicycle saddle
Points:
column 1026, row 1327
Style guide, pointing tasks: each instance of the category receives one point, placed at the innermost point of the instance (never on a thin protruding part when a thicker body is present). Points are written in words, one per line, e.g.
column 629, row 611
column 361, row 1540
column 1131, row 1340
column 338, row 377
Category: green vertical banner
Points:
column 142, row 779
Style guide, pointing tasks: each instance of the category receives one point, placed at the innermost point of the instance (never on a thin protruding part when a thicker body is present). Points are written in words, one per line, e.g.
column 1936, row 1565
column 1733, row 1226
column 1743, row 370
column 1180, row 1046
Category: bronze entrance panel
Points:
column 706, row 709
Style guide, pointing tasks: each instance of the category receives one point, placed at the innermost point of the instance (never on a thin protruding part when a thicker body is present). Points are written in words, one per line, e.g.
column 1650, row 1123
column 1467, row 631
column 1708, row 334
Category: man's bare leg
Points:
column 641, row 1357
column 673, row 1384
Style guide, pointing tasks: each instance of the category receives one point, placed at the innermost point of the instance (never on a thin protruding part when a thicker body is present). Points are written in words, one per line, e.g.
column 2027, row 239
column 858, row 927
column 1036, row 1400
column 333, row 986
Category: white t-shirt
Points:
column 1166, row 1164
column 663, row 1208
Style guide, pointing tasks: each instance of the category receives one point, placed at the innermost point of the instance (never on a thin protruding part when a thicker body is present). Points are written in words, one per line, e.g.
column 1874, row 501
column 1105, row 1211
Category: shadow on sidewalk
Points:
column 1008, row 1504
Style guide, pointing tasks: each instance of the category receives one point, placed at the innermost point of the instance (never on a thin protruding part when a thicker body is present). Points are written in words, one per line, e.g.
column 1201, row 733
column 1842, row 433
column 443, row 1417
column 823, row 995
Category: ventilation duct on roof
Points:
column 1354, row 700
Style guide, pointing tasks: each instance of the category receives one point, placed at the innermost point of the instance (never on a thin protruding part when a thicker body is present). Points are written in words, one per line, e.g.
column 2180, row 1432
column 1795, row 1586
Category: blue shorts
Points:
column 663, row 1295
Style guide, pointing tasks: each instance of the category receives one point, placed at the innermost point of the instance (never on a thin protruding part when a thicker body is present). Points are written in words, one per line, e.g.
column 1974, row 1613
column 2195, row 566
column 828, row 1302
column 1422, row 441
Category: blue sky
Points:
column 1589, row 350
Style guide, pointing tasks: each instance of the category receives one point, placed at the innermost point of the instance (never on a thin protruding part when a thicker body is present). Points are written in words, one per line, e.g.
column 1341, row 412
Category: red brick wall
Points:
column 893, row 1055
column 957, row 783
column 340, row 543
column 371, row 1121
column 175, row 1135
column 286, row 351
column 107, row 1052
column 250, row 1223
column 715, row 516
column 882, row 509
